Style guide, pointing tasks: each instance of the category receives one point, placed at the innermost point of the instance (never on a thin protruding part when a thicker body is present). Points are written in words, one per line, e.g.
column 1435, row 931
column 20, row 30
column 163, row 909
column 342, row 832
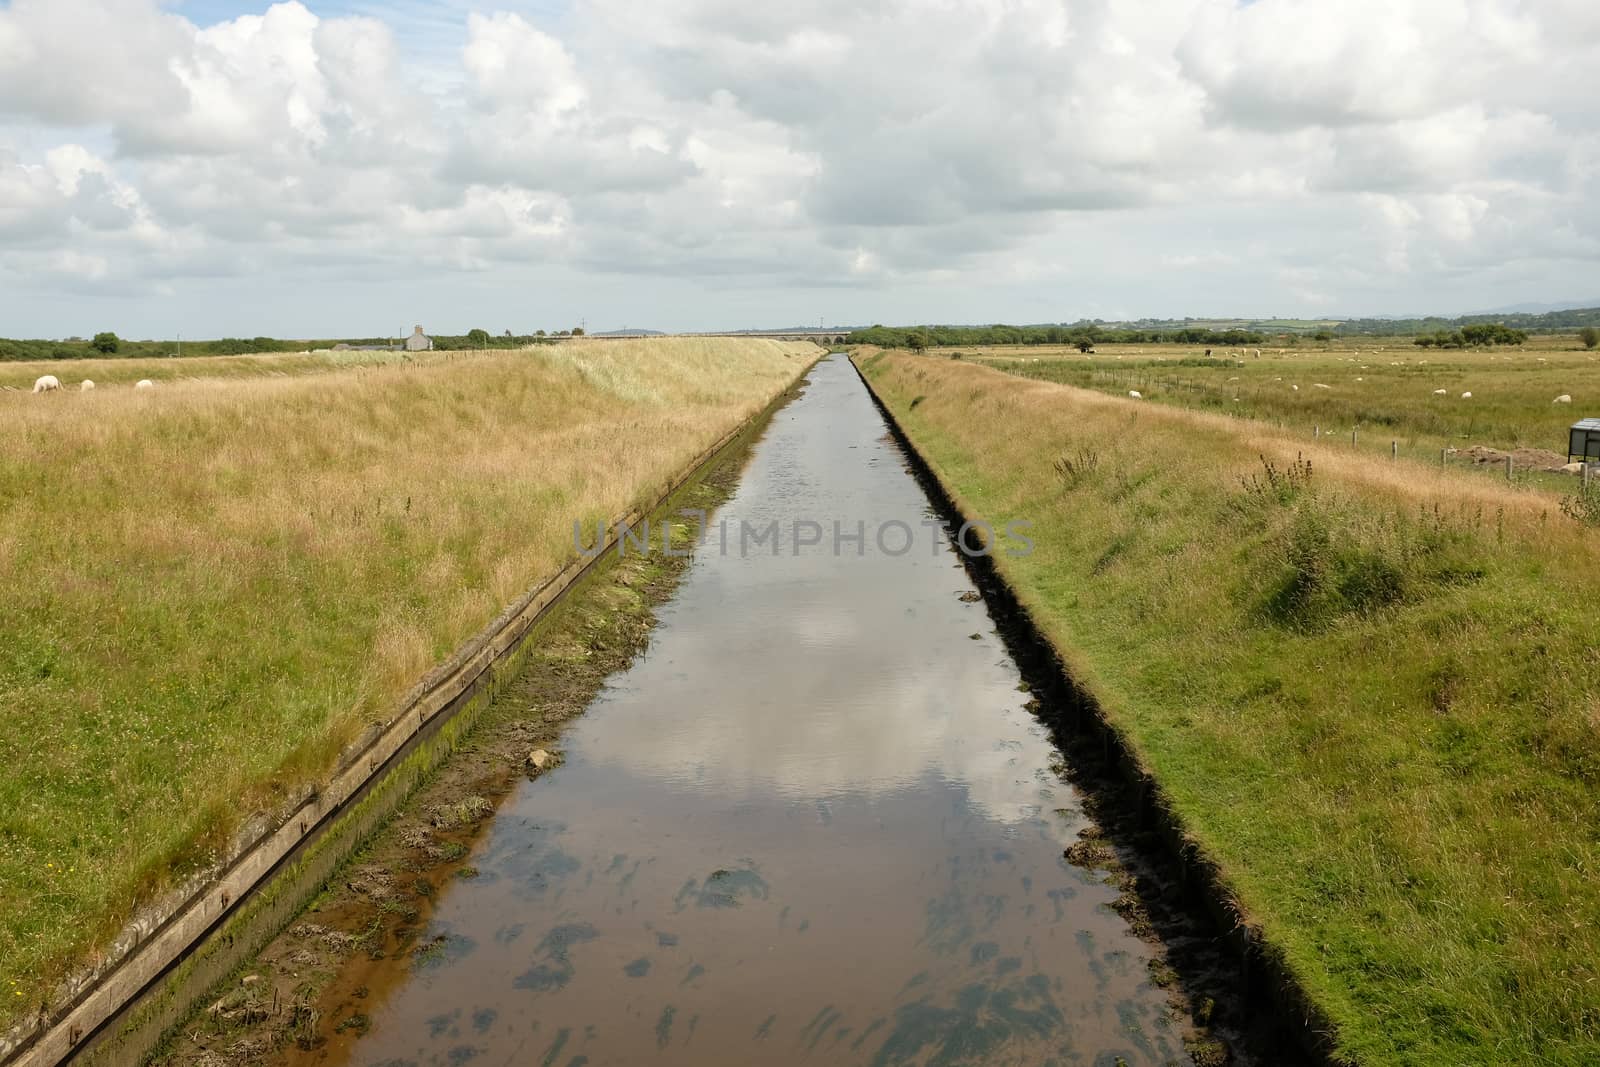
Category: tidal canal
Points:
column 814, row 823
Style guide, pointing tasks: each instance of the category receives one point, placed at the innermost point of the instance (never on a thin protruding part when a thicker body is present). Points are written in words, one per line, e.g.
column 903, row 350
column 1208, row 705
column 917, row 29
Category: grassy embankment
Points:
column 1372, row 694
column 211, row 588
column 1383, row 389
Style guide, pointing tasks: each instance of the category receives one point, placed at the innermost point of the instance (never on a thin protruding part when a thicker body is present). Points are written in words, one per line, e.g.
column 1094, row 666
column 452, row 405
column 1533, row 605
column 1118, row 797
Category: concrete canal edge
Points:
column 169, row 958
column 1075, row 710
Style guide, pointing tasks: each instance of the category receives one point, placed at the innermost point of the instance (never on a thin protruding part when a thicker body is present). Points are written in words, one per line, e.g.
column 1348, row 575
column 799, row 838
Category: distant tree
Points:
column 1490, row 333
column 1590, row 336
column 538, row 333
column 577, row 331
column 1322, row 335
column 107, row 342
column 478, row 337
column 1085, row 345
column 918, row 341
column 1444, row 339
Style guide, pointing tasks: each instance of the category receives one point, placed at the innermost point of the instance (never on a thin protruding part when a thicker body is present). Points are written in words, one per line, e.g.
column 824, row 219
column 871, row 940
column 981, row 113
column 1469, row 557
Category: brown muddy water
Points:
column 814, row 823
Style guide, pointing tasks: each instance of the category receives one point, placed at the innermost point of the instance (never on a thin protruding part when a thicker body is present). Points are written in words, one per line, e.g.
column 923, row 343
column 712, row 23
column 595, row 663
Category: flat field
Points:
column 1369, row 689
column 212, row 587
column 1382, row 388
column 124, row 371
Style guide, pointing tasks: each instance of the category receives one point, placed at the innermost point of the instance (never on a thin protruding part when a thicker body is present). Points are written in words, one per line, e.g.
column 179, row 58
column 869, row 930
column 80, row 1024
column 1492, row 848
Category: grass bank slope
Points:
column 1371, row 691
column 212, row 587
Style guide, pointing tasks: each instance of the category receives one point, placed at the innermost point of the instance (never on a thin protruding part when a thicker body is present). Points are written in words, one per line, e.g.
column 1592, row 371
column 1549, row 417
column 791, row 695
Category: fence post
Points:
column 1316, row 433
column 1394, row 449
column 1510, row 466
column 1352, row 438
column 1444, row 457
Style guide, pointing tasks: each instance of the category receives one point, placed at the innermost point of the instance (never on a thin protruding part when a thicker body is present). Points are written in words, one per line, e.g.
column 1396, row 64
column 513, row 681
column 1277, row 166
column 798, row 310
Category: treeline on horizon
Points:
column 1080, row 334
column 110, row 346
column 1456, row 332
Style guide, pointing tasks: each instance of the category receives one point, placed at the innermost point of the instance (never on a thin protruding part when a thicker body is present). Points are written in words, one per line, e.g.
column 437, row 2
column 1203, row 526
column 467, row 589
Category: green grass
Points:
column 1385, row 393
column 1371, row 692
column 211, row 587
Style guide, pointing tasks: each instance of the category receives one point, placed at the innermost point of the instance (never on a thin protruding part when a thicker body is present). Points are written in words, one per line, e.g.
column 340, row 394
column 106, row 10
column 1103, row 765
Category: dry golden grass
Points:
column 1369, row 692
column 126, row 370
column 212, row 586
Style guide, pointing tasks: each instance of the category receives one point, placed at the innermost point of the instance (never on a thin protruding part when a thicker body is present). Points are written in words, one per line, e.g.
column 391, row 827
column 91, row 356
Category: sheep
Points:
column 85, row 386
column 48, row 383
column 1296, row 388
column 144, row 383
column 1135, row 394
column 1440, row 392
column 1466, row 396
column 1563, row 399
column 1319, row 385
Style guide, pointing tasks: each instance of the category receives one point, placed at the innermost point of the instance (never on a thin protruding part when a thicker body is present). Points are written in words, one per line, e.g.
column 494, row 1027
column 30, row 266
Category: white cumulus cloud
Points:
column 691, row 162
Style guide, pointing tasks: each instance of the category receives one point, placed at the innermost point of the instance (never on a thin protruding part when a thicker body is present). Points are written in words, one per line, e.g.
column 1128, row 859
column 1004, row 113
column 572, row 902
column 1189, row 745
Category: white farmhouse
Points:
column 418, row 341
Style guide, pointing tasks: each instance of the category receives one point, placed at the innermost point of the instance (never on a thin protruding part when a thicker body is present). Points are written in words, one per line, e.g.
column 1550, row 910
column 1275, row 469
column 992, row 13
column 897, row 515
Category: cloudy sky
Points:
column 349, row 167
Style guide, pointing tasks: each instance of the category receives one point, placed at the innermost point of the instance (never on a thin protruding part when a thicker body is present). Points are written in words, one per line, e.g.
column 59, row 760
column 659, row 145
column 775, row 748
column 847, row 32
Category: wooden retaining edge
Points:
column 151, row 949
column 1262, row 968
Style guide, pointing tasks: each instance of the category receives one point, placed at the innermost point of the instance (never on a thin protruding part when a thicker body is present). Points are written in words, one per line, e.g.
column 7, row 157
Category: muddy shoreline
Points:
column 1225, row 975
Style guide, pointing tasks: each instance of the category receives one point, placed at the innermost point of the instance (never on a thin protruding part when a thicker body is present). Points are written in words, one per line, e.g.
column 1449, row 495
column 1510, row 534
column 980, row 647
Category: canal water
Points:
column 814, row 823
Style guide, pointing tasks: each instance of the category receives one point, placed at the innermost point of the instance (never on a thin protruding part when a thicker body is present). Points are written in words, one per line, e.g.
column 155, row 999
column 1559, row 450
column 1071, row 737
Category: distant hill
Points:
column 1540, row 309
column 1560, row 321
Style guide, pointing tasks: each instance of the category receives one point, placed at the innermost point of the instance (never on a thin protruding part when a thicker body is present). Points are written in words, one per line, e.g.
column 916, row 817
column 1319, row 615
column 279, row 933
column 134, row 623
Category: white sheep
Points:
column 1466, row 396
column 1135, row 394
column 1319, row 385
column 85, row 386
column 144, row 383
column 1296, row 388
column 48, row 383
column 1440, row 392
column 1563, row 399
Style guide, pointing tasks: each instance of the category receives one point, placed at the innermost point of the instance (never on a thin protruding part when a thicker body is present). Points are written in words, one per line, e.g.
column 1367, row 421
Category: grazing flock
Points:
column 49, row 383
